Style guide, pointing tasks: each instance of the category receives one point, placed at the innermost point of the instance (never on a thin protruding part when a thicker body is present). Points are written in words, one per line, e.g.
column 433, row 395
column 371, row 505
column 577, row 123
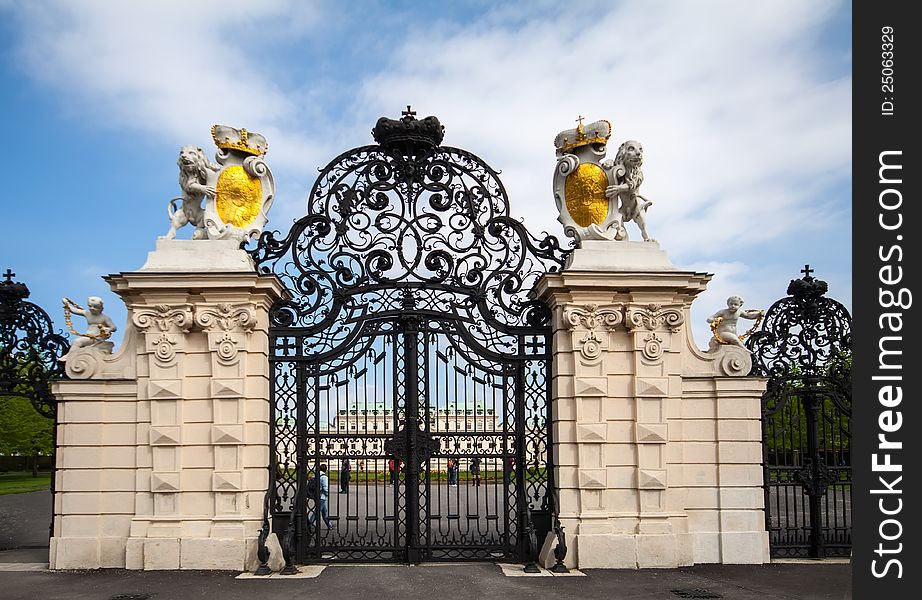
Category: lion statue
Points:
column 193, row 180
column 633, row 207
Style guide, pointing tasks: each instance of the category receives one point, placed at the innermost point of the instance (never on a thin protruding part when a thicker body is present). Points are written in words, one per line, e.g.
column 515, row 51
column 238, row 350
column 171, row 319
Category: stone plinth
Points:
column 656, row 443
column 163, row 448
column 604, row 256
column 198, row 256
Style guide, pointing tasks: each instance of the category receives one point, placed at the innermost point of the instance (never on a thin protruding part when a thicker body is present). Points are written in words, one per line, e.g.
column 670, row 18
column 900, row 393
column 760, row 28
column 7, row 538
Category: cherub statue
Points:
column 99, row 326
column 723, row 324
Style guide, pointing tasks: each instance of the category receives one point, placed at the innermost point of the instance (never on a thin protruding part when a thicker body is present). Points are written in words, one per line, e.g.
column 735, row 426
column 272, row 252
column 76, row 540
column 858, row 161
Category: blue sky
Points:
column 743, row 109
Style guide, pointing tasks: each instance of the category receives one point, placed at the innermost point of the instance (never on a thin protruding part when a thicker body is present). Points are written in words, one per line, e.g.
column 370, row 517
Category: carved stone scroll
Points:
column 592, row 318
column 226, row 325
column 655, row 316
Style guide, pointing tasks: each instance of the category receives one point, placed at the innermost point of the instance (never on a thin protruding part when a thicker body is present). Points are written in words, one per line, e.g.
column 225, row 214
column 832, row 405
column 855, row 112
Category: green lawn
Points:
column 532, row 476
column 20, row 482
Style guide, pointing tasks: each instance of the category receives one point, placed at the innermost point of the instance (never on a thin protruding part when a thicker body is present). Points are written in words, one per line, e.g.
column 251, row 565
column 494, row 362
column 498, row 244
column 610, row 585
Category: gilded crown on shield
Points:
column 228, row 138
column 593, row 133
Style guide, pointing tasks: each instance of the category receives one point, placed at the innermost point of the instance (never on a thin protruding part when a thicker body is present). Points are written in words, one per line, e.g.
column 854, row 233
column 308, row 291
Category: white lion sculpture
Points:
column 194, row 168
column 633, row 207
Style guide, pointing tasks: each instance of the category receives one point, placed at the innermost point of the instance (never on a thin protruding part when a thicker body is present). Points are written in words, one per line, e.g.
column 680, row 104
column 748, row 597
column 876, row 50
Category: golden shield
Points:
column 585, row 193
column 239, row 196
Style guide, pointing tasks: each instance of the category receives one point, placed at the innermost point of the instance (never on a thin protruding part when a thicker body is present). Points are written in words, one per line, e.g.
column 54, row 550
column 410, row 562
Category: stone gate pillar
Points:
column 657, row 445
column 164, row 446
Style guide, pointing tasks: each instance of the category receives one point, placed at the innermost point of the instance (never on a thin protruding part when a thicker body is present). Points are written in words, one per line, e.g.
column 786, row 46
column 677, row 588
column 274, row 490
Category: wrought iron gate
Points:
column 30, row 350
column 409, row 361
column 30, row 353
column 804, row 348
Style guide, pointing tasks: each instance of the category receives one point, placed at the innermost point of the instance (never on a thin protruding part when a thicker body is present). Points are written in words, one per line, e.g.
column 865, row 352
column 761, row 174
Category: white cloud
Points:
column 168, row 68
column 744, row 131
column 740, row 130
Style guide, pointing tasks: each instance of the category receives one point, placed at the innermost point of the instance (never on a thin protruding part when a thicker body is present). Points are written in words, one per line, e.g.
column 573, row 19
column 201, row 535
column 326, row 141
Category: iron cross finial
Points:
column 9, row 276
column 806, row 271
column 409, row 112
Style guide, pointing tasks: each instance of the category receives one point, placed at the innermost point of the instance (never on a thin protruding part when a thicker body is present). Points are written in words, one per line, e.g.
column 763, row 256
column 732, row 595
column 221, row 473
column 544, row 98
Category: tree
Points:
column 23, row 431
column 784, row 409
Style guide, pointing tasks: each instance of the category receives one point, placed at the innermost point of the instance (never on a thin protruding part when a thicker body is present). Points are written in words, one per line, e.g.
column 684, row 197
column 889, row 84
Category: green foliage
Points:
column 786, row 429
column 22, row 430
column 383, row 476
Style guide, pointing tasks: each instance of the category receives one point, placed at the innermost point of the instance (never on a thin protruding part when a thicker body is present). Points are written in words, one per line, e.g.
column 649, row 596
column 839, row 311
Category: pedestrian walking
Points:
column 475, row 470
column 392, row 471
column 345, row 474
column 509, row 469
column 324, row 499
column 454, row 466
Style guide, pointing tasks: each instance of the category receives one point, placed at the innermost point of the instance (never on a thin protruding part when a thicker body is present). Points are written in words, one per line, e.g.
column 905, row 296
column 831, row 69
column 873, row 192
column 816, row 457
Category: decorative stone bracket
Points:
column 162, row 318
column 225, row 316
column 226, row 325
column 654, row 316
column 592, row 318
column 222, row 316
column 165, row 325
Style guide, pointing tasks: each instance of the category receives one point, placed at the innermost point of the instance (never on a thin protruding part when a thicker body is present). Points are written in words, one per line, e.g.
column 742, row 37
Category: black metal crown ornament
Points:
column 409, row 135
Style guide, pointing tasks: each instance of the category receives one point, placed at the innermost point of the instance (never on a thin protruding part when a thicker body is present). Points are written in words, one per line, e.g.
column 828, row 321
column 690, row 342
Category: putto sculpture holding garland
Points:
column 597, row 196
column 99, row 327
column 237, row 192
column 723, row 324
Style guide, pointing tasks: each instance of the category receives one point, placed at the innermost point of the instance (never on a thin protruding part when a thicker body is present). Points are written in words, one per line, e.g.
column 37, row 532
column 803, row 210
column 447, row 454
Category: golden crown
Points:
column 594, row 133
column 228, row 138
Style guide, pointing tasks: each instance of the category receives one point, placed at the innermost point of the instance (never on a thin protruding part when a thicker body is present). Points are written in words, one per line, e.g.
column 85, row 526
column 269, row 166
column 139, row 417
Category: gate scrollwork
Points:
column 30, row 350
column 408, row 213
column 804, row 350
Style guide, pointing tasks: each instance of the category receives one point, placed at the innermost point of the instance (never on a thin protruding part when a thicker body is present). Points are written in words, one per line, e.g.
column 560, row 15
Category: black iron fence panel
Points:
column 804, row 349
column 410, row 365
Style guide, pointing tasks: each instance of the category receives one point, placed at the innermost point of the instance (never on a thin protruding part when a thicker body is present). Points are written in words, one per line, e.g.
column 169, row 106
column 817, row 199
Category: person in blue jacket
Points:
column 324, row 499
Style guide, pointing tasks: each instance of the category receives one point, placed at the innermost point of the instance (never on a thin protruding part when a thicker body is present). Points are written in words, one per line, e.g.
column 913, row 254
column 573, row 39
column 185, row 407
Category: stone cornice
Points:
column 628, row 286
column 133, row 285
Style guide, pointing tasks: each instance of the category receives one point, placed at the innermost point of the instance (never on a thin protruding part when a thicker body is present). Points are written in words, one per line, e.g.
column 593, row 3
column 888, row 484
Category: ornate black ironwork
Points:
column 410, row 311
column 262, row 550
column 815, row 477
column 422, row 445
column 30, row 350
column 531, row 538
column 801, row 334
column 288, row 540
column 560, row 550
column 804, row 349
